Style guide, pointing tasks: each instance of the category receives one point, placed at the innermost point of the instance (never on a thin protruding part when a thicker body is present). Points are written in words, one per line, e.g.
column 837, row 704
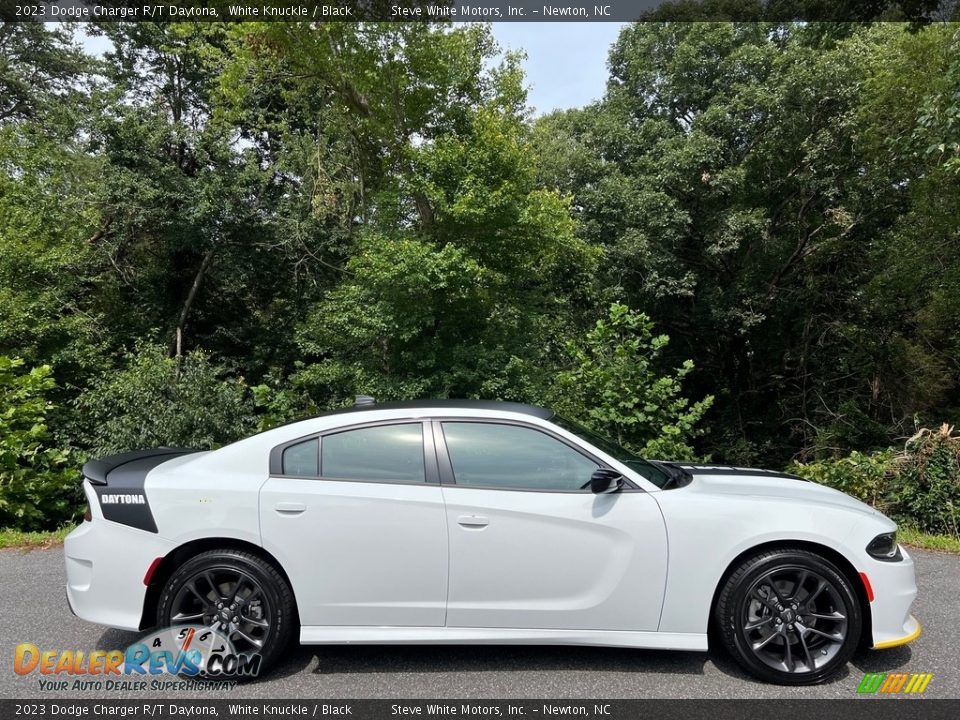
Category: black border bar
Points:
column 165, row 708
column 916, row 11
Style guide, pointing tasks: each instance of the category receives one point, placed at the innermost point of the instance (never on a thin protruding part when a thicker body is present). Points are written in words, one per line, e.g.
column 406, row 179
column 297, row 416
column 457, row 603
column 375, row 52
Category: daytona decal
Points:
column 118, row 481
column 114, row 499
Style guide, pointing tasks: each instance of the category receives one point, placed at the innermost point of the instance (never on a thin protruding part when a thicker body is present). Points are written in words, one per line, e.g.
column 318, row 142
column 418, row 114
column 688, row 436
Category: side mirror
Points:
column 605, row 480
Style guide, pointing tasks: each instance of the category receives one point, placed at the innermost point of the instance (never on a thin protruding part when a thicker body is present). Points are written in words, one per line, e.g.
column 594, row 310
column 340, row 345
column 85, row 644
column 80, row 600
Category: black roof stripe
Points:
column 731, row 470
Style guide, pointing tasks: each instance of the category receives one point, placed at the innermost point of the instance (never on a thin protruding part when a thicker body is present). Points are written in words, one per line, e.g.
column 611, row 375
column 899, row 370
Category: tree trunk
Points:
column 176, row 345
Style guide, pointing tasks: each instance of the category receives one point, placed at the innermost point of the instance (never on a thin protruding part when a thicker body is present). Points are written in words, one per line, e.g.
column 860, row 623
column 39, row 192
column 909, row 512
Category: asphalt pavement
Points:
column 33, row 609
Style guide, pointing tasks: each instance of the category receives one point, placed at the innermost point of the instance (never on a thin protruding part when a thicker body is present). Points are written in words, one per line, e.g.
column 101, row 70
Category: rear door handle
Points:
column 473, row 521
column 289, row 508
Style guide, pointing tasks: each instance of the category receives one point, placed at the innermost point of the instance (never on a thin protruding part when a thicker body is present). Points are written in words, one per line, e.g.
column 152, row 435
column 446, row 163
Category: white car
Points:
column 485, row 522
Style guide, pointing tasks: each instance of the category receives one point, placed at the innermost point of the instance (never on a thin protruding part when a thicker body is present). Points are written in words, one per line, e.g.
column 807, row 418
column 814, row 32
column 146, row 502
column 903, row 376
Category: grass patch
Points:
column 926, row 541
column 40, row 540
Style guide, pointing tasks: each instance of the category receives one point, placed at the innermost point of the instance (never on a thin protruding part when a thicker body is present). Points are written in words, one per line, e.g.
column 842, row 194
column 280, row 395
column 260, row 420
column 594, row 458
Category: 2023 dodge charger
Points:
column 485, row 522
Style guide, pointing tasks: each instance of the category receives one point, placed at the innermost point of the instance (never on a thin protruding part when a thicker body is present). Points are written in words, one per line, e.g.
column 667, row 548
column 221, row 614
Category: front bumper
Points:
column 908, row 638
column 895, row 588
column 105, row 565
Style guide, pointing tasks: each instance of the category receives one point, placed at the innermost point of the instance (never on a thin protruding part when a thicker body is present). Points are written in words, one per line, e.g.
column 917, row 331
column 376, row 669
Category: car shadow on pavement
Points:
column 358, row 659
column 113, row 639
column 346, row 659
column 387, row 659
column 405, row 659
column 293, row 662
column 869, row 661
column 728, row 666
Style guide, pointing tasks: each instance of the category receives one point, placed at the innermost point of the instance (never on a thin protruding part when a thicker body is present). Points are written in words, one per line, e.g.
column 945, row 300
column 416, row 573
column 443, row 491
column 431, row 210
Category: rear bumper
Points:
column 895, row 588
column 105, row 564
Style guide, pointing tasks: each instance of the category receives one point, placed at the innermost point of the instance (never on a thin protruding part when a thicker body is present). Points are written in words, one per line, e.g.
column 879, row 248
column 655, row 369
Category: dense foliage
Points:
column 155, row 400
column 919, row 485
column 616, row 388
column 39, row 486
column 212, row 229
column 782, row 201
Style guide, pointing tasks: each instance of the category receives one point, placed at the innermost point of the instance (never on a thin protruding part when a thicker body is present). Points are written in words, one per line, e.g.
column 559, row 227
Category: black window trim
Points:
column 445, row 466
column 431, row 472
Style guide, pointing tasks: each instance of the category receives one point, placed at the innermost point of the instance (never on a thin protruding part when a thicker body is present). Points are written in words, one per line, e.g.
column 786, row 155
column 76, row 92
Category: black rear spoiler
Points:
column 118, row 482
column 96, row 470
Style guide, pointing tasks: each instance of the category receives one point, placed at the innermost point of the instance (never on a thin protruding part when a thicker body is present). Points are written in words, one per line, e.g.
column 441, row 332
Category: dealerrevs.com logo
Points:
column 194, row 653
column 894, row 683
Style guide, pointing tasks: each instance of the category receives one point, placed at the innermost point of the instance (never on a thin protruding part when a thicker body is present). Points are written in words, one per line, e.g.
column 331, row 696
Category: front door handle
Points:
column 289, row 508
column 473, row 521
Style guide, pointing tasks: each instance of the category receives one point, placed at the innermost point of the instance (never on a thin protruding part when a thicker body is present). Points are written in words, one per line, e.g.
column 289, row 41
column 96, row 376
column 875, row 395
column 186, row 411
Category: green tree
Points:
column 470, row 305
column 457, row 274
column 47, row 209
column 741, row 197
column 39, row 483
column 155, row 400
column 187, row 236
column 617, row 386
column 908, row 342
column 42, row 70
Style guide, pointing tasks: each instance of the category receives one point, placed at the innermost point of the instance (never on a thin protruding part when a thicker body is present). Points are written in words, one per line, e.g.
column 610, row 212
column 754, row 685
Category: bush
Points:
column 617, row 387
column 39, row 484
column 929, row 483
column 919, row 486
column 155, row 400
column 868, row 477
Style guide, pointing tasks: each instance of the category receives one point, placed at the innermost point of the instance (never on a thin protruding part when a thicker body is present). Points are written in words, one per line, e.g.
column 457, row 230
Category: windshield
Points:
column 636, row 463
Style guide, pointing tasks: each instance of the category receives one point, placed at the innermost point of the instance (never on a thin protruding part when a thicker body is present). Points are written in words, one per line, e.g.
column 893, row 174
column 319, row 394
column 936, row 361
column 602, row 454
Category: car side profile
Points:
column 485, row 522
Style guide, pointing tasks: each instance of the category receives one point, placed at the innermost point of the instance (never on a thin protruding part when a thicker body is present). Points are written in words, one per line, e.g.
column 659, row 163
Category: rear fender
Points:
column 118, row 483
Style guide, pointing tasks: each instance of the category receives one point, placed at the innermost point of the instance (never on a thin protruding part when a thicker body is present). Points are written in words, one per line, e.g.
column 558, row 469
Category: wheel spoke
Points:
column 253, row 641
column 831, row 638
column 255, row 622
column 763, row 601
column 192, row 587
column 216, row 589
column 799, row 585
column 187, row 617
column 832, row 616
column 763, row 643
column 821, row 586
column 236, row 587
column 773, row 588
column 788, row 655
column 758, row 623
column 806, row 651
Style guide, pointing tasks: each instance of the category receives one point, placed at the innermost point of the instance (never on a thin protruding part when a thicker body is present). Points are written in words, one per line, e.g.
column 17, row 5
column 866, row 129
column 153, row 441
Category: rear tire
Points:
column 789, row 616
column 237, row 593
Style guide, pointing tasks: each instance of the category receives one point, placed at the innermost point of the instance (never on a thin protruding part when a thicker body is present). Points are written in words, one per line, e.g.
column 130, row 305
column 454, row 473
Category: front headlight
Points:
column 884, row 547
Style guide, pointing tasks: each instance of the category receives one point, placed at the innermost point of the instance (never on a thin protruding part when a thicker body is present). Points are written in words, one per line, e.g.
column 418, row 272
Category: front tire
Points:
column 789, row 617
column 237, row 593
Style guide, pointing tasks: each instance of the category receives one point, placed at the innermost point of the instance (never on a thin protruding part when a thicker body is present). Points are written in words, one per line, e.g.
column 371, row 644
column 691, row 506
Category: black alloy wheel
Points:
column 238, row 595
column 789, row 616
